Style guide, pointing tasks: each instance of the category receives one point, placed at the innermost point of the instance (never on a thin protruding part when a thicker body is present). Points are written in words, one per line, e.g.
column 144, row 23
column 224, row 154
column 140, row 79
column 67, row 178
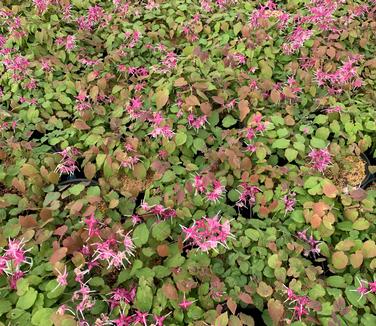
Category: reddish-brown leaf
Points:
column 192, row 101
column 163, row 250
column 81, row 125
column 170, row 291
column 246, row 298
column 90, row 170
column 180, row 82
column 276, row 310
column 243, row 109
column 61, row 230
column 58, row 255
column 231, row 304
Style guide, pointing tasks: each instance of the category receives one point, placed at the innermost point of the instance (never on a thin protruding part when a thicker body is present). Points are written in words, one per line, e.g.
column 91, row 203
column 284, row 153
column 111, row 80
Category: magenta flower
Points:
column 185, row 304
column 14, row 278
column 207, row 233
column 320, row 159
column 289, row 201
column 313, row 244
column 362, row 289
column 120, row 295
column 217, row 191
column 300, row 303
column 61, row 278
column 92, row 226
column 247, row 195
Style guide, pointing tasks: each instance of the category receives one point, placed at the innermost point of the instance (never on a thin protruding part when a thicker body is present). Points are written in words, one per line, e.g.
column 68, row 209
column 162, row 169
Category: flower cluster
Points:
column 159, row 210
column 13, row 258
column 213, row 189
column 320, row 159
column 296, row 40
column 365, row 287
column 289, row 201
column 300, row 304
column 247, row 195
column 67, row 164
column 313, row 244
column 346, row 74
column 197, row 122
column 109, row 251
column 207, row 233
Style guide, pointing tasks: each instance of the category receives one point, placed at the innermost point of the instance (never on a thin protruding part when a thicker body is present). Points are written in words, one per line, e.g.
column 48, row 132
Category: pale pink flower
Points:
column 320, row 159
column 207, row 233
column 289, row 201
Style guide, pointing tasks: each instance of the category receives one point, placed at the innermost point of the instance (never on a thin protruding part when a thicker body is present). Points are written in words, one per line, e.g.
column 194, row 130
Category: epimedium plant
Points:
column 187, row 162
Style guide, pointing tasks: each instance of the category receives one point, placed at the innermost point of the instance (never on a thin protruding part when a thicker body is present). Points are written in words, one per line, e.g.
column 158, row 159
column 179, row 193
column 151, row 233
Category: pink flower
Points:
column 216, row 193
column 120, row 295
column 314, row 248
column 92, row 226
column 185, row 304
column 70, row 43
column 334, row 109
column 207, row 233
column 14, row 278
column 320, row 159
column 362, row 289
column 199, row 184
column 247, row 195
column 296, row 40
column 141, row 317
column 289, row 201
column 61, row 278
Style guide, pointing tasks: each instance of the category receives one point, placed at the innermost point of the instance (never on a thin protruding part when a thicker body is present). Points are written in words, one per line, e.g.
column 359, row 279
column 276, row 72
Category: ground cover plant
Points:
column 187, row 162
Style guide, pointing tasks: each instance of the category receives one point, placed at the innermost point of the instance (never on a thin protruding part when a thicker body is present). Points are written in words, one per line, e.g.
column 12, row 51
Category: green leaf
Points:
column 317, row 292
column 266, row 70
column 63, row 99
column 281, row 143
column 116, row 89
column 361, row 224
column 76, row 189
column 195, row 312
column 221, row 320
column 261, row 153
column 228, row 121
column 199, row 144
column 237, row 28
column 318, row 143
column 252, row 234
column 5, row 306
column 368, row 319
column 51, row 196
column 291, row 154
column 144, row 298
column 322, row 133
column 354, row 297
column 299, row 146
column 53, row 290
column 180, row 138
column 161, row 230
column 27, row 300
column 336, row 281
column 168, row 176
column 140, row 235
column 42, row 317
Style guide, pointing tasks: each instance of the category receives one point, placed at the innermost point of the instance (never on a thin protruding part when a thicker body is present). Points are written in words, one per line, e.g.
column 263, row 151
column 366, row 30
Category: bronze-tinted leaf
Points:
column 276, row 310
column 243, row 109
column 161, row 98
column 58, row 255
column 169, row 290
